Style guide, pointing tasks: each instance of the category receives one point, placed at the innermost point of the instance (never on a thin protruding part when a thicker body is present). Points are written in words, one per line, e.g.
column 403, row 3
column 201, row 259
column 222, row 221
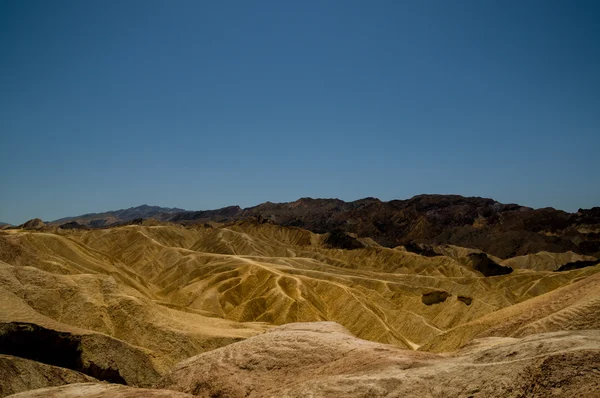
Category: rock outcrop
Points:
column 35, row 223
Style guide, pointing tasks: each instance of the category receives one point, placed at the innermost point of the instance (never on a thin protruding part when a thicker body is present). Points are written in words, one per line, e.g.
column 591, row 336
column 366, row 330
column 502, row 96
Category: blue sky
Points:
column 199, row 104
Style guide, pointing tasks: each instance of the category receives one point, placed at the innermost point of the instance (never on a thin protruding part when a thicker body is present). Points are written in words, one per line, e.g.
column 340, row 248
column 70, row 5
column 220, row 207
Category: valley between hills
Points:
column 436, row 296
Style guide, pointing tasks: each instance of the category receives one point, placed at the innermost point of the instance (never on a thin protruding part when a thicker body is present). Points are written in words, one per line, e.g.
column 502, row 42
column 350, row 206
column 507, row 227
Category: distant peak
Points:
column 34, row 223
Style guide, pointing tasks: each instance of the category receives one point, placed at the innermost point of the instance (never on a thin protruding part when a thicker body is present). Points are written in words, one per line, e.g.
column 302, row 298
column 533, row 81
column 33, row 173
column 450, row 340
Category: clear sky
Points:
column 202, row 104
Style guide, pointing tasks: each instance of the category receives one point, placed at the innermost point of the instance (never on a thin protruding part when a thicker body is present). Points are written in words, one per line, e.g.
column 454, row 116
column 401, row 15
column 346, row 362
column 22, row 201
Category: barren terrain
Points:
column 257, row 309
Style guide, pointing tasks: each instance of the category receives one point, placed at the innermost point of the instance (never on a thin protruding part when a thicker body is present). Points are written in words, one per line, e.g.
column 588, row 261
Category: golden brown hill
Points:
column 103, row 304
column 267, row 273
column 545, row 261
column 35, row 223
column 257, row 272
column 133, row 301
column 572, row 307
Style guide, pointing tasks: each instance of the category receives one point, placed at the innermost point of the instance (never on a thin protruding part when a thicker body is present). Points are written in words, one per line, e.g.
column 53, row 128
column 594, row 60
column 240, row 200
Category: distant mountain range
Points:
column 504, row 230
column 107, row 218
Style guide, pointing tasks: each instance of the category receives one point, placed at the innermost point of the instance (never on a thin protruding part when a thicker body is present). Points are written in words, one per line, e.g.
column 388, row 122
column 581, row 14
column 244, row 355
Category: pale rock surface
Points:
column 98, row 390
column 323, row 360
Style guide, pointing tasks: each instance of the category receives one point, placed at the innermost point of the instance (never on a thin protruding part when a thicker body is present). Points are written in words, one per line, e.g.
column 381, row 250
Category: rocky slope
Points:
column 20, row 374
column 324, row 360
column 504, row 230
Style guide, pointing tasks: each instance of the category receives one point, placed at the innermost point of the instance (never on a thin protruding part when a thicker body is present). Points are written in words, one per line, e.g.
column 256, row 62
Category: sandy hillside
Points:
column 128, row 304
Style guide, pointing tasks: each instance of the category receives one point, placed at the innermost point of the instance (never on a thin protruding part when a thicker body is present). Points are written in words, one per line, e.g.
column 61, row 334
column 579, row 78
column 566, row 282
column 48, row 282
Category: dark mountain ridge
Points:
column 504, row 230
